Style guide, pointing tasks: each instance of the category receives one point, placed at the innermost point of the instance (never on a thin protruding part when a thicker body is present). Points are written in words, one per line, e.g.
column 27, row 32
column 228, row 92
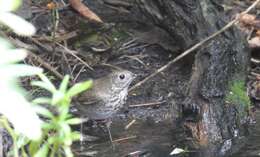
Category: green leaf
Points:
column 79, row 87
column 18, row 70
column 67, row 141
column 42, row 100
column 43, row 152
column 34, row 147
column 9, row 55
column 64, row 113
column 75, row 136
column 47, row 126
column 11, row 20
column 57, row 97
column 9, row 5
column 22, row 141
column 52, row 139
column 44, row 85
column 73, row 121
column 48, row 82
column 44, row 112
column 66, row 130
column 67, row 151
column 64, row 84
column 69, row 116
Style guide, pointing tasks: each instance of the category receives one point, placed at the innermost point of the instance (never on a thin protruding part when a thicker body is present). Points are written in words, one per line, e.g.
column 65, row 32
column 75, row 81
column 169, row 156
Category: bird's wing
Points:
column 87, row 98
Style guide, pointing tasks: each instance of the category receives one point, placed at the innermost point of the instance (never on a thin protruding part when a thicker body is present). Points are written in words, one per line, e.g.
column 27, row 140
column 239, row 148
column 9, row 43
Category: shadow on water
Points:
column 252, row 147
column 147, row 139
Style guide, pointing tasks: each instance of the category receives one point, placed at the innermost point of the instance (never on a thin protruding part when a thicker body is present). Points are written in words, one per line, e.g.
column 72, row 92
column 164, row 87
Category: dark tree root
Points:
column 191, row 112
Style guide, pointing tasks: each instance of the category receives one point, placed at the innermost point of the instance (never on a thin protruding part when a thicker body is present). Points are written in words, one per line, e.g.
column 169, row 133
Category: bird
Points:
column 105, row 98
column 107, row 95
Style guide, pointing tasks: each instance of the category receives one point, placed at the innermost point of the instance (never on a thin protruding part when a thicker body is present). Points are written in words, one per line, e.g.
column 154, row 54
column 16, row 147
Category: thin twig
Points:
column 111, row 66
column 59, row 38
column 147, row 104
column 55, row 23
column 65, row 59
column 124, row 139
column 255, row 74
column 35, row 57
column 45, row 65
column 77, row 75
column 130, row 124
column 134, row 58
column 256, row 61
column 62, row 49
column 196, row 46
column 43, row 46
column 74, row 55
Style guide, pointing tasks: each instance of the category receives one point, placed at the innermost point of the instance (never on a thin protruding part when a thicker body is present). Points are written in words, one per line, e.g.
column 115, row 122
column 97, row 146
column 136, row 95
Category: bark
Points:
column 214, row 125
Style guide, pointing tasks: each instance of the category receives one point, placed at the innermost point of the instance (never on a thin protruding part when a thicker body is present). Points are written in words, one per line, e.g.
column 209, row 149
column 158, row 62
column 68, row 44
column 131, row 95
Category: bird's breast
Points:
column 117, row 100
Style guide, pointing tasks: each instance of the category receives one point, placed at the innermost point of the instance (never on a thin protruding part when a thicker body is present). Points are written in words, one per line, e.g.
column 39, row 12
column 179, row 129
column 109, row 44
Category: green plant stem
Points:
column 24, row 152
column 59, row 154
column 54, row 149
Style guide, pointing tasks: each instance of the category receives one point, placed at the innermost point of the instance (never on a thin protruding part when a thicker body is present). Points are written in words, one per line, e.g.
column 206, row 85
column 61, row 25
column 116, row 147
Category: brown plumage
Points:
column 107, row 95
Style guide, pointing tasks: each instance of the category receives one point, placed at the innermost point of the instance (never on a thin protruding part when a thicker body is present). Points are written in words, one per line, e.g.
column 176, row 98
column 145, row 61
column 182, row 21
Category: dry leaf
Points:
column 247, row 19
column 254, row 42
column 84, row 11
column 257, row 32
column 51, row 5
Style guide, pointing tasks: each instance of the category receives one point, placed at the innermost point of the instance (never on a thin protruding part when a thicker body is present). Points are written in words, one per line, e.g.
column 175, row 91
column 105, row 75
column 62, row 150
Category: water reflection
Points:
column 252, row 147
column 142, row 139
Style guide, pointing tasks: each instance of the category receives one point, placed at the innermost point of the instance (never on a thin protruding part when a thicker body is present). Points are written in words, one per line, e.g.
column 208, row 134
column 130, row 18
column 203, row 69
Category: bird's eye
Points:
column 122, row 76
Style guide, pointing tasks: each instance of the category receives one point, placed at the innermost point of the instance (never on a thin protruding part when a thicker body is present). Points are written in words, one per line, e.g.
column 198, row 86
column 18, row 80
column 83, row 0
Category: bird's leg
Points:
column 105, row 125
column 83, row 120
column 108, row 124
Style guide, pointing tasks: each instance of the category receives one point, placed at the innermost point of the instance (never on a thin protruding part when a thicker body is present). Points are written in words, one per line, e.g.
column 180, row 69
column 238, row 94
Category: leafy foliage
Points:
column 11, row 94
column 32, row 136
column 57, row 133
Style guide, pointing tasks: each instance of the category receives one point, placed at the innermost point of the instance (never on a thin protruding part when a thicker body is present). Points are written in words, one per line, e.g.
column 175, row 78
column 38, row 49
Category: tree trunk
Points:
column 215, row 125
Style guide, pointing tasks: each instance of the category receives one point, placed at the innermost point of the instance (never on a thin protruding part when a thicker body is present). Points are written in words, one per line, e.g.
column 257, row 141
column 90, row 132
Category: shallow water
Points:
column 153, row 139
column 149, row 139
column 252, row 147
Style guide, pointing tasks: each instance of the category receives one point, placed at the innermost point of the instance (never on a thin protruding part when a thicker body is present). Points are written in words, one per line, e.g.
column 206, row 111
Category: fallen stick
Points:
column 147, row 104
column 124, row 139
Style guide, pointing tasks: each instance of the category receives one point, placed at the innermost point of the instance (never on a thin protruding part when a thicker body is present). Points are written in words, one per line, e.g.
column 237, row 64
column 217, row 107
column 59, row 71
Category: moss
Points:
column 238, row 94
